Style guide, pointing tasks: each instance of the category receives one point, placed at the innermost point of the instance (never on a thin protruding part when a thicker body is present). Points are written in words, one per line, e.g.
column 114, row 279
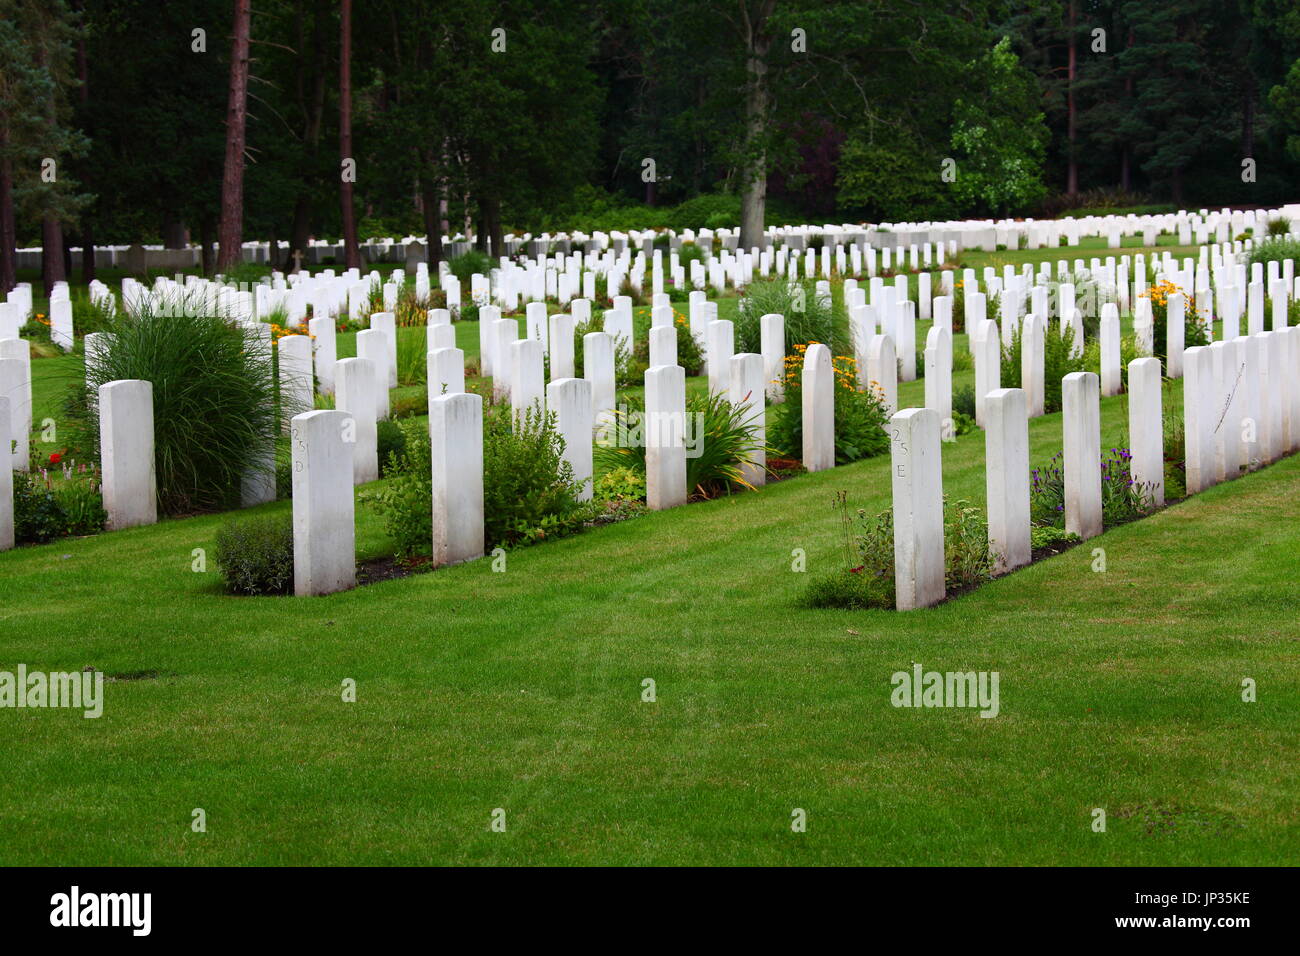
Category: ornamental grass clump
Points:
column 808, row 317
column 216, row 409
column 720, row 439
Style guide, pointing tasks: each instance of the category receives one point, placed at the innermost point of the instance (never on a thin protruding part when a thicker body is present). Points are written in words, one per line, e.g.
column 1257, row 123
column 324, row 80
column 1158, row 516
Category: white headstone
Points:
column 456, row 450
column 386, row 323
column 665, row 454
column 324, row 528
column 356, row 394
column 772, row 344
column 373, row 346
column 748, row 394
column 818, row 409
column 1082, row 426
column 126, row 449
column 570, row 400
column 297, row 390
column 1006, row 455
column 1146, row 427
column 917, row 479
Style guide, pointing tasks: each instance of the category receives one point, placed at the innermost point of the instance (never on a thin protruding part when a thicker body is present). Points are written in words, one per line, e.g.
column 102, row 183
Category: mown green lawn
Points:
column 522, row 691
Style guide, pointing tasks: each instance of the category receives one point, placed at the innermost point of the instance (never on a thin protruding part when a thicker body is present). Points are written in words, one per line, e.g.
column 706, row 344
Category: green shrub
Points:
column 1051, row 538
column 1058, row 361
column 216, row 407
column 860, row 416
column 1279, row 226
column 412, row 356
column 529, row 493
column 1274, row 249
column 621, row 484
column 38, row 517
column 690, row 354
column 963, row 401
column 80, row 496
column 848, row 590
column 255, row 555
column 867, row 580
column 466, row 265
column 391, row 442
column 688, row 253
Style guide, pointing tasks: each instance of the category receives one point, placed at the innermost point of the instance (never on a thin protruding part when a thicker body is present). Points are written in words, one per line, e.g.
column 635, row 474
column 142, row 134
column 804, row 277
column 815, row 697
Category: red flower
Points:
column 55, row 458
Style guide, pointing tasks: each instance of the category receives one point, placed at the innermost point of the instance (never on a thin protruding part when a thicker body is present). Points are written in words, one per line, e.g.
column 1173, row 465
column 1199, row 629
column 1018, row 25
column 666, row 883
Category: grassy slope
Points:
column 521, row 690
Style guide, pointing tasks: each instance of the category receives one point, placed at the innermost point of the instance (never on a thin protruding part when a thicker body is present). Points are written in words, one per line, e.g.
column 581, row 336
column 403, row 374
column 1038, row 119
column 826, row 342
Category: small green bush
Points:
column 391, row 442
column 46, row 508
column 37, row 515
column 848, row 590
column 1058, row 361
column 528, row 489
column 255, row 555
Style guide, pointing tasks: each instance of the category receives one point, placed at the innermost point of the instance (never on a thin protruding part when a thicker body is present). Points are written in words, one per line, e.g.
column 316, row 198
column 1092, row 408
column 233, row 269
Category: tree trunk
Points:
column 87, row 251
column 52, row 270
column 1072, row 162
column 753, row 185
column 432, row 223
column 1176, row 185
column 174, row 233
column 231, row 230
column 205, row 245
column 1248, row 120
column 492, row 225
column 314, row 111
column 351, row 248
column 83, row 92
column 8, row 228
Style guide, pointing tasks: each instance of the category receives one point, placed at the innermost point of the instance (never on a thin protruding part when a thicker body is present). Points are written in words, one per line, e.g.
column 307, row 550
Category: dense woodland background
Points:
column 219, row 120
